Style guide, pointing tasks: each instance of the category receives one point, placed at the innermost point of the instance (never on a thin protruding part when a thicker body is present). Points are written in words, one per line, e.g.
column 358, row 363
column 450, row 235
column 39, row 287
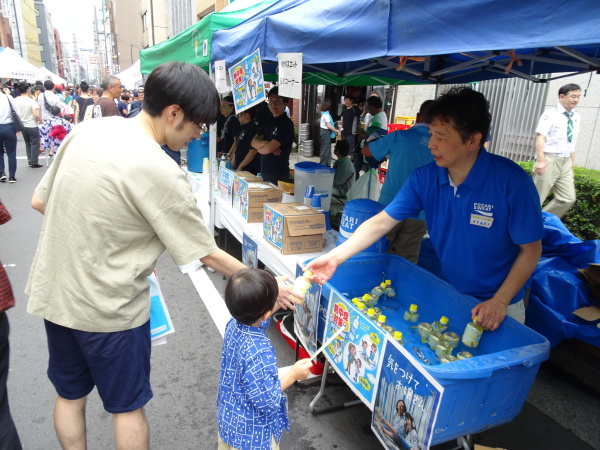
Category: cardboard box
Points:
column 286, row 187
column 294, row 228
column 249, row 196
column 226, row 180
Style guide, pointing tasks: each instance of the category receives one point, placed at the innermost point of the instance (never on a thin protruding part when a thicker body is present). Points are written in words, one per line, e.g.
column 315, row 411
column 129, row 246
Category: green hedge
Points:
column 583, row 219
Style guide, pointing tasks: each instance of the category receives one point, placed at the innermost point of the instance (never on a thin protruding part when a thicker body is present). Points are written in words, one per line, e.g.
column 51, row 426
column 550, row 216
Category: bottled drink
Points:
column 369, row 300
column 411, row 314
column 372, row 315
column 398, row 337
column 435, row 337
column 360, row 306
column 452, row 338
column 442, row 348
column 440, row 325
column 424, row 330
column 472, row 334
column 464, row 355
column 444, row 359
column 223, row 161
column 355, row 300
column 381, row 321
column 389, row 290
column 302, row 283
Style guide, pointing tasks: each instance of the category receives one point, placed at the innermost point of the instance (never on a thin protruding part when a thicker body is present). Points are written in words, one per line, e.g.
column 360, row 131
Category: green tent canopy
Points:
column 194, row 44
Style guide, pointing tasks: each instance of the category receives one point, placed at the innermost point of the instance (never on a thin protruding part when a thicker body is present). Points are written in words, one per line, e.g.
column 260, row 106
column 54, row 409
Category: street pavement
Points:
column 562, row 411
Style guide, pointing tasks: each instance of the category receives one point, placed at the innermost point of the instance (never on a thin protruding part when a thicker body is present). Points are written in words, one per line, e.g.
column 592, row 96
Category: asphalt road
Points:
column 562, row 412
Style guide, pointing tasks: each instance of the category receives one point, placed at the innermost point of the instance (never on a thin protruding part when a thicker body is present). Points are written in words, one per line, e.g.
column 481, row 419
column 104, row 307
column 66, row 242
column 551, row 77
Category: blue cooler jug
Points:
column 355, row 213
column 198, row 149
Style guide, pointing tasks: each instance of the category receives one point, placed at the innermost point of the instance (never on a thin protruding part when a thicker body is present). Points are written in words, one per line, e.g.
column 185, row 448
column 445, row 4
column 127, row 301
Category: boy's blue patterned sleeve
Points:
column 262, row 383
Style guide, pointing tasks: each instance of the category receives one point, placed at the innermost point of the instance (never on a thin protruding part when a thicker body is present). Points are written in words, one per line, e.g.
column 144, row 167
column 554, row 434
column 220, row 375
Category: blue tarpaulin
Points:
column 435, row 41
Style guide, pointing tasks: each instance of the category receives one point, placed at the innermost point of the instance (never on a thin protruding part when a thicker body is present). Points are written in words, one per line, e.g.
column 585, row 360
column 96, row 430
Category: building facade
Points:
column 129, row 34
column 46, row 37
column 155, row 25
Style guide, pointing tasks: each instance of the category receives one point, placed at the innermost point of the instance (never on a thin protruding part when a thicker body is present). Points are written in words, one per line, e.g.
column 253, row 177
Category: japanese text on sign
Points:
column 290, row 74
column 340, row 315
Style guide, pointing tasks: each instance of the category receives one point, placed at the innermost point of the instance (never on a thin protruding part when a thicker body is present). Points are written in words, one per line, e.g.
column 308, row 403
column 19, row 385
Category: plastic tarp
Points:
column 47, row 75
column 558, row 289
column 435, row 41
column 131, row 77
column 12, row 65
column 189, row 45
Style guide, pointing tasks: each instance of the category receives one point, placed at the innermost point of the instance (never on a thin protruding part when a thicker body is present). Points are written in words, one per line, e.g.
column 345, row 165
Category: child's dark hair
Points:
column 249, row 294
column 342, row 147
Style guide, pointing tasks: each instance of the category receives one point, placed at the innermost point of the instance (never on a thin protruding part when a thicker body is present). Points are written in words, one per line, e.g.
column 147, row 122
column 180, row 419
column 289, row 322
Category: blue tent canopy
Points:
column 432, row 42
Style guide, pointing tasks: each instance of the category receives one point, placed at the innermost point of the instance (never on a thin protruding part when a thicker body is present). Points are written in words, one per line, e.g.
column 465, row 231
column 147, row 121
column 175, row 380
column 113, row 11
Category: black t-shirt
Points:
column 220, row 123
column 263, row 116
column 244, row 144
column 348, row 116
column 231, row 130
column 277, row 168
column 83, row 104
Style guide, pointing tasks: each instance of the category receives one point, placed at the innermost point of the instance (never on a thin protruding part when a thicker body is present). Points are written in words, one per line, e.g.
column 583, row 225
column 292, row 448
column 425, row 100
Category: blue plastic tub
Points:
column 479, row 393
column 198, row 149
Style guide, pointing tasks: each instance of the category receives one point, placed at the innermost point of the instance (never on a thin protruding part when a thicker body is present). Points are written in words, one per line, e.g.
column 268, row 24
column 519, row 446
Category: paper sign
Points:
column 290, row 74
column 221, row 81
column 357, row 354
column 249, row 252
column 247, row 83
column 407, row 400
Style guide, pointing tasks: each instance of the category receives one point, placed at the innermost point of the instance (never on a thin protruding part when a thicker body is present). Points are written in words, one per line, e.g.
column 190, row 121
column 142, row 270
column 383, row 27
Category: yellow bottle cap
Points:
column 397, row 335
column 388, row 282
column 413, row 307
column 381, row 318
column 444, row 320
column 383, row 285
column 355, row 300
column 308, row 274
column 366, row 297
column 475, row 319
column 370, row 311
column 360, row 305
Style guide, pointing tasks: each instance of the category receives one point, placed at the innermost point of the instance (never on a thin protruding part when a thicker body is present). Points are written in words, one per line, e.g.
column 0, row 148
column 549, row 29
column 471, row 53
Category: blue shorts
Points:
column 118, row 364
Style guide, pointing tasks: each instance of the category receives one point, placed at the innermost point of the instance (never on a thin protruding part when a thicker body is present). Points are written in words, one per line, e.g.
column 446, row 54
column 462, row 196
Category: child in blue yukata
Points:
column 363, row 352
column 373, row 354
column 357, row 366
column 351, row 356
column 251, row 406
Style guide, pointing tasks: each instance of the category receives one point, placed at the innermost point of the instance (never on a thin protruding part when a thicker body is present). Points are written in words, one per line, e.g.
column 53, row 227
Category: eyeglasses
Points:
column 199, row 125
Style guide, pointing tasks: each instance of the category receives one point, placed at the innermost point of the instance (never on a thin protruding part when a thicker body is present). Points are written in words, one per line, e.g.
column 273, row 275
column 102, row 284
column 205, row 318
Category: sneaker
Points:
column 36, row 166
column 2, row 177
column 12, row 180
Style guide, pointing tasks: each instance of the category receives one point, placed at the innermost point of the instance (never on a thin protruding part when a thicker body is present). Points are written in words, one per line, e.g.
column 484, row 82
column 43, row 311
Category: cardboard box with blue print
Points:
column 250, row 196
column 294, row 228
column 226, row 180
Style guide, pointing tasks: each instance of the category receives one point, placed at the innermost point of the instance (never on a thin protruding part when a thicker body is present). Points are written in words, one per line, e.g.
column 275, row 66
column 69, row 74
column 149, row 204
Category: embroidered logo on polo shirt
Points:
column 482, row 215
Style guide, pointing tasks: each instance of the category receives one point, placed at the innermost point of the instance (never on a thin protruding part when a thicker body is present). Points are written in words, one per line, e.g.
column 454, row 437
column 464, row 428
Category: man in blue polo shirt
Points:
column 407, row 150
column 482, row 212
column 275, row 145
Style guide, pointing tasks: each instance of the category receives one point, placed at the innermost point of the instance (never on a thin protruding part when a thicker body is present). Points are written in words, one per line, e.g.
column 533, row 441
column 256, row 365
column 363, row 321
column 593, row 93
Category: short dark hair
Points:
column 39, row 83
column 342, row 147
column 84, row 86
column 23, row 87
column 352, row 99
column 325, row 104
column 275, row 92
column 124, row 97
column 375, row 101
column 466, row 110
column 251, row 112
column 99, row 91
column 228, row 98
column 564, row 90
column 249, row 294
column 185, row 85
column 425, row 109
column 48, row 85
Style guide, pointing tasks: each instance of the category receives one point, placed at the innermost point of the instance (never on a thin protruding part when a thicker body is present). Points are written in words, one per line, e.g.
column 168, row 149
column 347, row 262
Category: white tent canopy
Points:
column 47, row 75
column 132, row 77
column 12, row 65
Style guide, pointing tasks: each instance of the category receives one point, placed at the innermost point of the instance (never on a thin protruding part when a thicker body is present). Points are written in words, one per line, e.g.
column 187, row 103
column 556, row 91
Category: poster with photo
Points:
column 306, row 317
column 406, row 402
column 249, row 252
column 356, row 353
column 247, row 82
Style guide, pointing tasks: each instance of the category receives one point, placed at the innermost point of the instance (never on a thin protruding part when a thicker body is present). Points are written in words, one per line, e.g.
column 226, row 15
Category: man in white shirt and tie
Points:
column 556, row 136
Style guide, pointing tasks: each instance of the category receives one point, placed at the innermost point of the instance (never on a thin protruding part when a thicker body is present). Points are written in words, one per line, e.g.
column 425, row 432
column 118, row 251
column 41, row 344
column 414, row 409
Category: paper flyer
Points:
column 357, row 354
column 306, row 317
column 247, row 82
column 406, row 402
column 221, row 79
column 160, row 319
column 249, row 252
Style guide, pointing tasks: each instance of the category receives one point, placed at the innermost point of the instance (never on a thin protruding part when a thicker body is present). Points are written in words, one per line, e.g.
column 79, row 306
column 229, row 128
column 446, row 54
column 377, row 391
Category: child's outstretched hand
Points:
column 301, row 369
